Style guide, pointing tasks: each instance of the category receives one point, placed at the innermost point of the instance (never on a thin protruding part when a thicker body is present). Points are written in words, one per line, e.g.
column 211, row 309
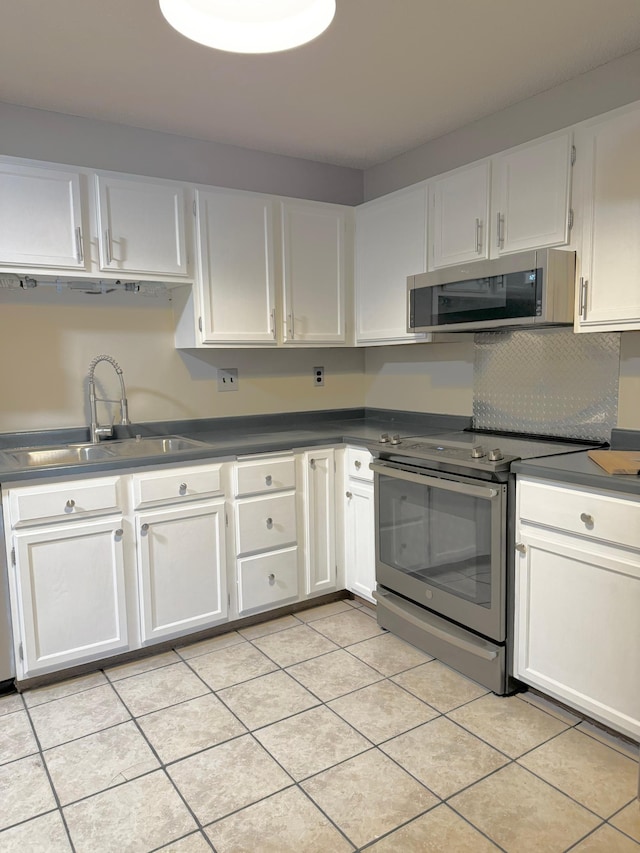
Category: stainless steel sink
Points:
column 108, row 451
column 151, row 446
column 38, row 457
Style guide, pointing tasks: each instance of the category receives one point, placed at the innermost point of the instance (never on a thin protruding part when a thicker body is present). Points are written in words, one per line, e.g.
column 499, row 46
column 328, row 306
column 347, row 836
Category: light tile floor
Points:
column 314, row 733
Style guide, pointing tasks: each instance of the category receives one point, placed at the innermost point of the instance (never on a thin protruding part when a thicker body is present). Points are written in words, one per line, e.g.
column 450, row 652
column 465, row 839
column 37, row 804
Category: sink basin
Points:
column 151, row 446
column 108, row 451
column 38, row 457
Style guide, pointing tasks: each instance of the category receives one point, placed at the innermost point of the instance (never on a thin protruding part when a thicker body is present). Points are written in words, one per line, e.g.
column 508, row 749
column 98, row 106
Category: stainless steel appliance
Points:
column 527, row 289
column 444, row 544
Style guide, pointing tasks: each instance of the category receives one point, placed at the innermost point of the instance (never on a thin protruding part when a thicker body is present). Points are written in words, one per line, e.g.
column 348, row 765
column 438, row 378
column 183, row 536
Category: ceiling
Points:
column 387, row 76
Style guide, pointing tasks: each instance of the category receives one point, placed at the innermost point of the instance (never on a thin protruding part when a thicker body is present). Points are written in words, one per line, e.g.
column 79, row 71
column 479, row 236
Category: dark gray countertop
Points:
column 228, row 438
column 577, row 469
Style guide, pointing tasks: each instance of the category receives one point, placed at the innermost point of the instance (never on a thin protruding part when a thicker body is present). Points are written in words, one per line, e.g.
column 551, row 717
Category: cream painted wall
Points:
column 629, row 389
column 434, row 377
column 48, row 340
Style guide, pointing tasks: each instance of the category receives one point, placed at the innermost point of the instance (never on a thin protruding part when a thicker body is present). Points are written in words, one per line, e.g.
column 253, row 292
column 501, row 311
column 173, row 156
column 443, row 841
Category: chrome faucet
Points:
column 97, row 431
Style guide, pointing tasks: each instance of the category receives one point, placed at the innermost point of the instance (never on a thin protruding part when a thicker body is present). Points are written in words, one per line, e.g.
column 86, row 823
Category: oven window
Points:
column 440, row 537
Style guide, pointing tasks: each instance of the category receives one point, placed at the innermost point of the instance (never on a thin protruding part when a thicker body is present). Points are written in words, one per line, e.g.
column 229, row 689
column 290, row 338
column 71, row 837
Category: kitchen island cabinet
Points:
column 577, row 588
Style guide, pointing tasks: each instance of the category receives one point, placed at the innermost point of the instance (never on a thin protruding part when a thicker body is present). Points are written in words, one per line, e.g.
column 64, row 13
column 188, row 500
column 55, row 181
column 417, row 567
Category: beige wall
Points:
column 47, row 341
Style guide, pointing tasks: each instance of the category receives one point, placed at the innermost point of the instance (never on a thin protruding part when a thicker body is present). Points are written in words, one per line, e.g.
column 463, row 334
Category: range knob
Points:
column 496, row 455
column 384, row 438
column 478, row 452
column 395, row 439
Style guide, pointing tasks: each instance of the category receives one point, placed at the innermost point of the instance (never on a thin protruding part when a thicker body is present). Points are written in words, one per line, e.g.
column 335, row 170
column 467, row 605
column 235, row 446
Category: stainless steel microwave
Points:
column 528, row 289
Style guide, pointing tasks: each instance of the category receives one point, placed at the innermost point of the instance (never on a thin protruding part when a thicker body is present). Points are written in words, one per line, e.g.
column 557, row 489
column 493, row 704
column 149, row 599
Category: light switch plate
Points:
column 227, row 379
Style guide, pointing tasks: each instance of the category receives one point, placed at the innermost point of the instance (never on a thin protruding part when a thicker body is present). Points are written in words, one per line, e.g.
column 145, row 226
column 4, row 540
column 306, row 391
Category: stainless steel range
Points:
column 444, row 544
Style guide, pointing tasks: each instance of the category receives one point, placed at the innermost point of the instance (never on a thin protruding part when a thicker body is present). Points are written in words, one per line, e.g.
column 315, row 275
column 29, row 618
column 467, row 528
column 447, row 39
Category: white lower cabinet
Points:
column 69, row 594
column 359, row 526
column 106, row 565
column 267, row 580
column 318, row 500
column 181, row 569
column 577, row 625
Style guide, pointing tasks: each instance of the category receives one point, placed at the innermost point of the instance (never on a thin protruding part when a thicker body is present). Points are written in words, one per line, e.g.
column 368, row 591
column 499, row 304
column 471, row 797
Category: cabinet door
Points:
column 530, row 205
column 360, row 563
column 318, row 478
column 181, row 569
column 391, row 244
column 40, row 217
column 577, row 632
column 313, row 271
column 459, row 216
column 71, row 594
column 141, row 226
column 235, row 267
column 608, row 171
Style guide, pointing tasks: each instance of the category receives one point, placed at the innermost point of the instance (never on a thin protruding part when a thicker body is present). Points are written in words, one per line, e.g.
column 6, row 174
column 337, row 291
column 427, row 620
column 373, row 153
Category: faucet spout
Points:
column 97, row 431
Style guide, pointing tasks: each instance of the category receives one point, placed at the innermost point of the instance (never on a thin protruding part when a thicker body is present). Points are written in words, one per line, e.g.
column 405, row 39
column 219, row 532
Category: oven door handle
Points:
column 487, row 492
column 485, row 654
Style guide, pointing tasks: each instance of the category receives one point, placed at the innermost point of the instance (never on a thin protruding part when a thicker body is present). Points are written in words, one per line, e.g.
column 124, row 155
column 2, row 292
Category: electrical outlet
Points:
column 227, row 379
column 318, row 375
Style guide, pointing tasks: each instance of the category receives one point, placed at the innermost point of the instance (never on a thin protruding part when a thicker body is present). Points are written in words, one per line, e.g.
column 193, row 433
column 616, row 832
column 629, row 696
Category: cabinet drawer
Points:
column 266, row 522
column 178, row 485
column 265, row 475
column 588, row 512
column 358, row 459
column 267, row 579
column 64, row 500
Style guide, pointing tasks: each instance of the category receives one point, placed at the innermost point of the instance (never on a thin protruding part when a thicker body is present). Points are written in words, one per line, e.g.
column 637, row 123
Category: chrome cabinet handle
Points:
column 521, row 548
column 358, row 464
column 582, row 303
column 79, row 249
column 349, row 494
column 290, row 317
column 107, row 246
column 119, row 532
column 269, row 523
column 268, row 480
column 312, row 463
column 183, row 488
column 271, row 578
column 479, row 236
column 71, row 503
column 586, row 518
column 273, row 323
column 144, row 527
column 500, row 230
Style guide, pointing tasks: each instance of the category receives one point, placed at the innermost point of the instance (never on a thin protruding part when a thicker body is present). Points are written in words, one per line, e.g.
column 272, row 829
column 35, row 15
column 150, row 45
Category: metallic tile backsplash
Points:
column 547, row 382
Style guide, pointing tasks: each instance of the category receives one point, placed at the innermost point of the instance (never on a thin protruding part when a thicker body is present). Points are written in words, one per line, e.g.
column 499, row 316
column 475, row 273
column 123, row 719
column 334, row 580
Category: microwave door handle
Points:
column 426, row 480
column 487, row 654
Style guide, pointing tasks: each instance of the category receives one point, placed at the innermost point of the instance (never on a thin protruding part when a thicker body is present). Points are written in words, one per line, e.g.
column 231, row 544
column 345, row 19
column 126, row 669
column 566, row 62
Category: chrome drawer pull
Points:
column 521, row 548
column 358, row 464
column 586, row 518
column 144, row 527
column 271, row 578
column 269, row 523
column 119, row 532
column 71, row 503
column 183, row 488
column 268, row 480
column 349, row 494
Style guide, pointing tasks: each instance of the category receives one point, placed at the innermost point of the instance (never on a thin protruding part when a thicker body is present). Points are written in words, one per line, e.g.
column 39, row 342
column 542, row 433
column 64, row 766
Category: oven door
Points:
column 441, row 543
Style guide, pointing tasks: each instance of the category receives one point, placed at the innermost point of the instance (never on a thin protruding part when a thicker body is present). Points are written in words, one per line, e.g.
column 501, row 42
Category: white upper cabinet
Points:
column 530, row 198
column 235, row 273
column 459, row 215
column 391, row 244
column 608, row 184
column 41, row 222
column 313, row 272
column 141, row 226
column 512, row 202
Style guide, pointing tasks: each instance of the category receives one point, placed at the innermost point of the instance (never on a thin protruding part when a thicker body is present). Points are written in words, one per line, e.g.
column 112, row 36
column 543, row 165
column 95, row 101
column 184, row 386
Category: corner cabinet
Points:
column 359, row 525
column 608, row 181
column 391, row 244
column 318, row 519
column 577, row 597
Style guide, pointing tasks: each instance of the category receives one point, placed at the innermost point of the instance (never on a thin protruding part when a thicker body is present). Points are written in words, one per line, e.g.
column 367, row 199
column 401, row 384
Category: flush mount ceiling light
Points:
column 249, row 26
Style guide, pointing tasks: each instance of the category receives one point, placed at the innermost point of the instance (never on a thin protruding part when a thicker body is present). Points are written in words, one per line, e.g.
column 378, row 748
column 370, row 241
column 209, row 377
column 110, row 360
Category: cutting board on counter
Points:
column 617, row 461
